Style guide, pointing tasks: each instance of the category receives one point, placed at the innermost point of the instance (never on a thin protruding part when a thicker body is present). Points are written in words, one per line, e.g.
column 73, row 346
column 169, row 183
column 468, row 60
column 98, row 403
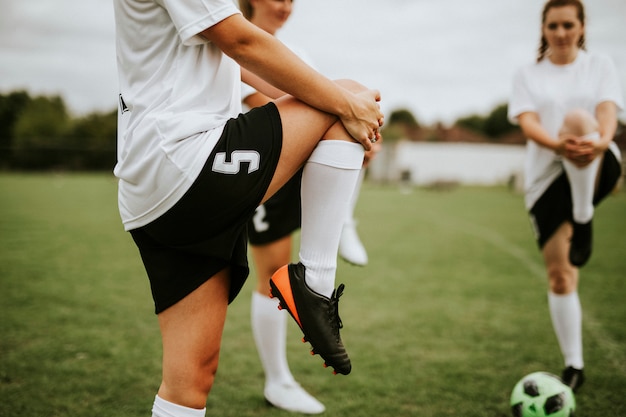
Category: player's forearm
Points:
column 267, row 58
column 532, row 129
column 606, row 114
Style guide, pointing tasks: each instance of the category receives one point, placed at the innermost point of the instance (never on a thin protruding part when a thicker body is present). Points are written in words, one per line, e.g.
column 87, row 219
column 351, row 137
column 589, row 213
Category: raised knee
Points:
column 579, row 122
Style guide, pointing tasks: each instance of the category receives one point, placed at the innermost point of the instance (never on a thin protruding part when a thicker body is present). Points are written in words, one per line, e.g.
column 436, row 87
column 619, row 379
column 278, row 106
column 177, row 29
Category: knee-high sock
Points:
column 582, row 182
column 566, row 314
column 163, row 408
column 328, row 182
column 269, row 327
column 355, row 197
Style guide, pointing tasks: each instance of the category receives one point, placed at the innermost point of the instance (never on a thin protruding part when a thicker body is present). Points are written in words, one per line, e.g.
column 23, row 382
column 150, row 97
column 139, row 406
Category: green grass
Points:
column 449, row 314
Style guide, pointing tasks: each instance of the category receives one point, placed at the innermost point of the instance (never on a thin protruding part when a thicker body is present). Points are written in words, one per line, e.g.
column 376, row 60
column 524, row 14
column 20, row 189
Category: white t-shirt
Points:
column 551, row 91
column 177, row 90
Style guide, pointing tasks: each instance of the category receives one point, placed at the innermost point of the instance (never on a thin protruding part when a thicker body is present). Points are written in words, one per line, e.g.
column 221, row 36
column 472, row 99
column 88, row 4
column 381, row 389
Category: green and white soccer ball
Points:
column 542, row 394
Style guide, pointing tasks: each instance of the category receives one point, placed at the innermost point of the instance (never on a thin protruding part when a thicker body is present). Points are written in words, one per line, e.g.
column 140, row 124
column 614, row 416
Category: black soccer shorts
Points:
column 555, row 205
column 279, row 216
column 205, row 231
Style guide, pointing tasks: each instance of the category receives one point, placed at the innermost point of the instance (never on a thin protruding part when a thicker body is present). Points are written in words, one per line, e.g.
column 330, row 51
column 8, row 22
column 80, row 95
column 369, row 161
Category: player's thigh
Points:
column 303, row 128
column 555, row 251
column 562, row 275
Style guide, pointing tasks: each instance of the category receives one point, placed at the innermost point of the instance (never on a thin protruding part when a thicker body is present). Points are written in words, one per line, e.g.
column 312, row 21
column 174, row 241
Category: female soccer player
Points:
column 192, row 170
column 566, row 104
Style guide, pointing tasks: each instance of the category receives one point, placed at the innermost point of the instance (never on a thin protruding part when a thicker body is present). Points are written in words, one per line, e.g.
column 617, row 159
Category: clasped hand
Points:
column 578, row 150
column 366, row 118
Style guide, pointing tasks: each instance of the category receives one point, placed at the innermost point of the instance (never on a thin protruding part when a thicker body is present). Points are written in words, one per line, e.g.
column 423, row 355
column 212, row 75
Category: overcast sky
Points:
column 441, row 59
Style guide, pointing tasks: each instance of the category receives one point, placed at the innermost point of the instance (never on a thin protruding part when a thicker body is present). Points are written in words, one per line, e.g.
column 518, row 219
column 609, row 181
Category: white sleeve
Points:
column 609, row 88
column 192, row 17
column 521, row 98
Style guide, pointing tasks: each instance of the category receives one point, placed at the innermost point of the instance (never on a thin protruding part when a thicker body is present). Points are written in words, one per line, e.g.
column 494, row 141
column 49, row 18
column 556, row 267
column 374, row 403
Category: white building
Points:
column 427, row 163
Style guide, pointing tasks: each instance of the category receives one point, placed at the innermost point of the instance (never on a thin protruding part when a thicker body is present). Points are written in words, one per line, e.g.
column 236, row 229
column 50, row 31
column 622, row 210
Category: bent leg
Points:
column 582, row 180
column 303, row 128
column 350, row 246
column 191, row 331
column 333, row 162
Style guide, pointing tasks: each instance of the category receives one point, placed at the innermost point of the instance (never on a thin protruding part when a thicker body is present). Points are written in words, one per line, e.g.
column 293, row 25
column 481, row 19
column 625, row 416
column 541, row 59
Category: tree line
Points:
column 38, row 133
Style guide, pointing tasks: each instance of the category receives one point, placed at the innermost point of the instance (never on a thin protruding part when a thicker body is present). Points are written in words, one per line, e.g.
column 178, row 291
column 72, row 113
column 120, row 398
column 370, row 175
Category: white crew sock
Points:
column 163, row 408
column 582, row 182
column 328, row 182
column 566, row 314
column 269, row 327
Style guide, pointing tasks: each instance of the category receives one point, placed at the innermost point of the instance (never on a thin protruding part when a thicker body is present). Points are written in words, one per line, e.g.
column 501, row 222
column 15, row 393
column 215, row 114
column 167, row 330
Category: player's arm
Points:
column 606, row 115
column 531, row 127
column 256, row 100
column 265, row 56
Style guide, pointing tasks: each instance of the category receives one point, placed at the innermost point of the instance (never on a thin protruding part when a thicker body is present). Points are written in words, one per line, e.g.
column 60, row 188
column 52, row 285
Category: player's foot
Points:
column 292, row 397
column 317, row 315
column 580, row 249
column 350, row 247
column 573, row 378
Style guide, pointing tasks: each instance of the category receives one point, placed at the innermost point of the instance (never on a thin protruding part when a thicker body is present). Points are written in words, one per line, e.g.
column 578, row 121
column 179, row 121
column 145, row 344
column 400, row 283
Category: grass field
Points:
column 449, row 314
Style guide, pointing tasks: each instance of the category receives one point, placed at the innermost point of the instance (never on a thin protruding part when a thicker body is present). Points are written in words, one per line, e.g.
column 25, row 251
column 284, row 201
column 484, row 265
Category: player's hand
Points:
column 371, row 154
column 581, row 152
column 365, row 119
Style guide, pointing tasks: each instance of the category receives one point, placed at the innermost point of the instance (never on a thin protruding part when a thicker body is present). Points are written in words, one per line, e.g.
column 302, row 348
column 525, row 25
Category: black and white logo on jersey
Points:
column 123, row 107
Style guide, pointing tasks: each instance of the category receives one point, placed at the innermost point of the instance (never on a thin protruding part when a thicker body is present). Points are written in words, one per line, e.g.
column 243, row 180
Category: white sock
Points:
column 582, row 182
column 163, row 408
column 566, row 314
column 269, row 327
column 328, row 182
column 355, row 197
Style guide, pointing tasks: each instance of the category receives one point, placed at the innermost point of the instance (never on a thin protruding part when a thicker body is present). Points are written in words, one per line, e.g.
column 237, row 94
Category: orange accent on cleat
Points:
column 282, row 282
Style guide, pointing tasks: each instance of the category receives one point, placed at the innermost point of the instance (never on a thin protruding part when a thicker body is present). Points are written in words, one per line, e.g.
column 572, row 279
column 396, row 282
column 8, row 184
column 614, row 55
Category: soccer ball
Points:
column 542, row 394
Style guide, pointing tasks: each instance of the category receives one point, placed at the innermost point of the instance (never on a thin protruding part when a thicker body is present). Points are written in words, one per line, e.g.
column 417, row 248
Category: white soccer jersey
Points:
column 177, row 91
column 551, row 91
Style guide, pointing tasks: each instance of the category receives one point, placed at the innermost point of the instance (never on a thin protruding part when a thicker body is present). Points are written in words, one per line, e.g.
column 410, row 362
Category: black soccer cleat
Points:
column 580, row 248
column 317, row 315
column 573, row 378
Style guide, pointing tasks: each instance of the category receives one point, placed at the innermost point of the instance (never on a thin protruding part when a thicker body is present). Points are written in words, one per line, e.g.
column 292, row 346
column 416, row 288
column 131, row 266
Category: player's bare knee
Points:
column 579, row 122
column 561, row 281
column 337, row 132
column 204, row 378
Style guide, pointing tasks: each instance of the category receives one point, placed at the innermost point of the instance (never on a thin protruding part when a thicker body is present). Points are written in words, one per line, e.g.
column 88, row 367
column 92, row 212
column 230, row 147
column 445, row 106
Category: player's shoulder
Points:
column 593, row 57
column 527, row 69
